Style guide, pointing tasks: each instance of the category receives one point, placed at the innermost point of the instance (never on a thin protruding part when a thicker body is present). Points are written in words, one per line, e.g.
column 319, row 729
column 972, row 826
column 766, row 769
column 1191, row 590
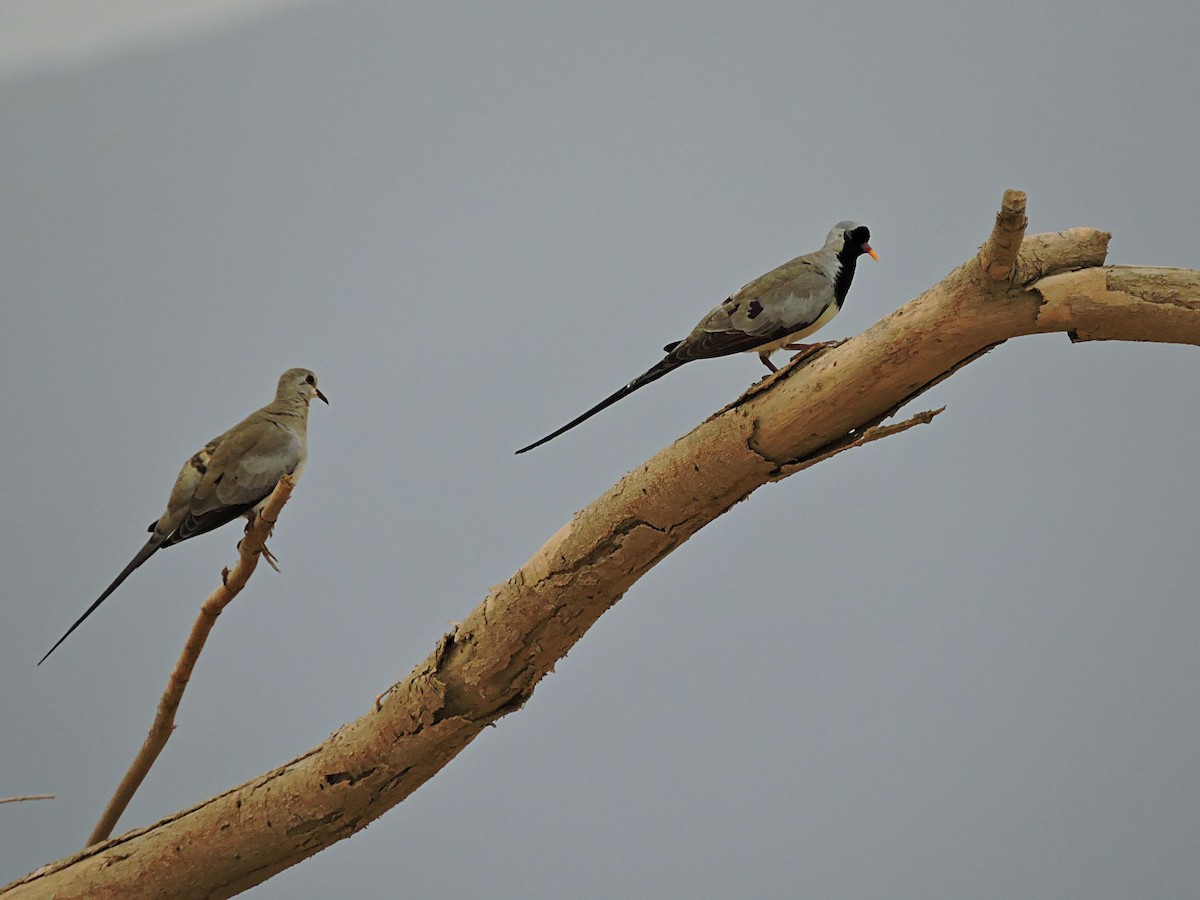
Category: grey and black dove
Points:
column 231, row 476
column 768, row 314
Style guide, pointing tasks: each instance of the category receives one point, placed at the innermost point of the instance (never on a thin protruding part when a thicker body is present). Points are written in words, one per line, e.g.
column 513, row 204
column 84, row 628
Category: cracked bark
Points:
column 489, row 664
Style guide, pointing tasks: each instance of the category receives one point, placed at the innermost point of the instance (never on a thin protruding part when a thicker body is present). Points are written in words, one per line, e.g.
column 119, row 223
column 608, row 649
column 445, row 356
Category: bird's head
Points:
column 299, row 381
column 850, row 239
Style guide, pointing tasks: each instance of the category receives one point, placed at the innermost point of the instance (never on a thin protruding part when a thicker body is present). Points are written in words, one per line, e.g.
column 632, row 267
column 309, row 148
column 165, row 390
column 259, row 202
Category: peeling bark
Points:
column 489, row 664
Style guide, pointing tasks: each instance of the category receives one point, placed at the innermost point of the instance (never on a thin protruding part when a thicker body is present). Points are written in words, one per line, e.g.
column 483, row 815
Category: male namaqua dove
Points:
column 770, row 313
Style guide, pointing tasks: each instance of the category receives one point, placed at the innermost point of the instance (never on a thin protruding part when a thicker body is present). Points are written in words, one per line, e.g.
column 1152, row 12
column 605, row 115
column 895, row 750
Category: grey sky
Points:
column 49, row 34
column 957, row 663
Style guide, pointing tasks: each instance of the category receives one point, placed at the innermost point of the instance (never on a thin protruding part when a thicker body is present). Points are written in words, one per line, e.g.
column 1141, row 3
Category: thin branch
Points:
column 250, row 548
column 873, row 433
column 28, row 797
column 490, row 662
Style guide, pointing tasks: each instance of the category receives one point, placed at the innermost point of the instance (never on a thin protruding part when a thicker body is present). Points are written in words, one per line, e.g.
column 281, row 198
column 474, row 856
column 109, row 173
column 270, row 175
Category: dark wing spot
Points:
column 755, row 309
column 198, row 463
column 731, row 306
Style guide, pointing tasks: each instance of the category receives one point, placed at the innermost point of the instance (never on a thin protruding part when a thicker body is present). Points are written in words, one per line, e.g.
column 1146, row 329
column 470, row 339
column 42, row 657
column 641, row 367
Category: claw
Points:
column 807, row 350
column 270, row 558
column 820, row 345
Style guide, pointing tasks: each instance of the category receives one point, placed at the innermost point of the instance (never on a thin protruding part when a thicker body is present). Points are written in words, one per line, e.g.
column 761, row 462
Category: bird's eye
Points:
column 311, row 379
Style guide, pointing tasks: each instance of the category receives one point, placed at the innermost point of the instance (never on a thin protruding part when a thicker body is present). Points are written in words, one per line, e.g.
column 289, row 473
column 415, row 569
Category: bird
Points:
column 770, row 313
column 231, row 476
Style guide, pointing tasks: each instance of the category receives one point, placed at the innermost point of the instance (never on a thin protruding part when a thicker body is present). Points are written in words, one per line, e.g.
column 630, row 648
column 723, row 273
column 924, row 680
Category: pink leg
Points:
column 766, row 361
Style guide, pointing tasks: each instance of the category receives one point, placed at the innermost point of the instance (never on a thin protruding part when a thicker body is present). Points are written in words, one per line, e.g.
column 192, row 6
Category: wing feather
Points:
column 242, row 471
column 784, row 302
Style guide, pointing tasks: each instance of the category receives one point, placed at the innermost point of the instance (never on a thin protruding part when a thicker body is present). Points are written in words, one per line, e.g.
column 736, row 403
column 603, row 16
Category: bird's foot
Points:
column 819, row 345
column 807, row 350
column 266, row 554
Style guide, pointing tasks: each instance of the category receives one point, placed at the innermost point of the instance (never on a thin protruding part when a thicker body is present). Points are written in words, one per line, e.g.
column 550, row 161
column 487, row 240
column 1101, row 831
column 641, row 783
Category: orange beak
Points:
column 868, row 249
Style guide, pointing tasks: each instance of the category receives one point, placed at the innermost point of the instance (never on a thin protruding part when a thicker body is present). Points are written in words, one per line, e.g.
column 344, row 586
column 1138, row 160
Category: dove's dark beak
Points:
column 321, row 396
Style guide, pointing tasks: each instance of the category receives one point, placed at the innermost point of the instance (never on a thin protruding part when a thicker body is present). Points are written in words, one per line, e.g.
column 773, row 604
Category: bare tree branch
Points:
column 250, row 548
column 489, row 664
column 28, row 797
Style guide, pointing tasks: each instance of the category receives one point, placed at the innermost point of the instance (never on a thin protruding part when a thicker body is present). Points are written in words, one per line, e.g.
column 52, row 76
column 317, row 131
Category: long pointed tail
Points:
column 667, row 364
column 142, row 555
